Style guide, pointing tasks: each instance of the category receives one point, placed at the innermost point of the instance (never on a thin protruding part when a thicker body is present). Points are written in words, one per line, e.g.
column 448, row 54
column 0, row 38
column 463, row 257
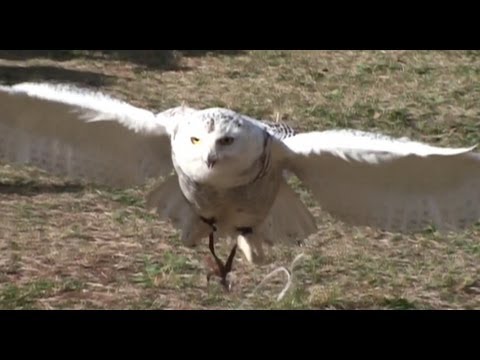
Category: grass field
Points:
column 75, row 246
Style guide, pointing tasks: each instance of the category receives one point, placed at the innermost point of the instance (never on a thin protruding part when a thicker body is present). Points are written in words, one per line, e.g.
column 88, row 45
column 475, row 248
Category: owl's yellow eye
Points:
column 194, row 140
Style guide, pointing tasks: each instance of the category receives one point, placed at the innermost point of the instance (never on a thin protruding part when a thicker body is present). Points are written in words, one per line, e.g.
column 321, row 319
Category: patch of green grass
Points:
column 72, row 284
column 401, row 118
column 77, row 231
column 129, row 197
column 295, row 299
column 149, row 303
column 379, row 68
column 424, row 70
column 165, row 270
column 467, row 70
column 215, row 297
column 25, row 296
column 399, row 304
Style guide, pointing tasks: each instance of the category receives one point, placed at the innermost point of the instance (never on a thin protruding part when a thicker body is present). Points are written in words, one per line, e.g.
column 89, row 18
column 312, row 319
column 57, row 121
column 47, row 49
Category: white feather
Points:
column 169, row 202
column 289, row 219
column 401, row 185
column 58, row 128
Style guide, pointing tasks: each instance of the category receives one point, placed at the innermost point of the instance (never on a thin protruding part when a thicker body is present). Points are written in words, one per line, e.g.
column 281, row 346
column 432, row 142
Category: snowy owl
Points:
column 226, row 173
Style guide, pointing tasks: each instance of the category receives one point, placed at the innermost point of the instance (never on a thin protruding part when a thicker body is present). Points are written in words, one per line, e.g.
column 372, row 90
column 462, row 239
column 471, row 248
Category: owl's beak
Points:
column 211, row 160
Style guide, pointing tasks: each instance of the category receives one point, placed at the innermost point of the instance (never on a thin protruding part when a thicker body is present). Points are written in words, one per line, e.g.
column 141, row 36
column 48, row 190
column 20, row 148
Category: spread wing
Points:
column 392, row 184
column 83, row 135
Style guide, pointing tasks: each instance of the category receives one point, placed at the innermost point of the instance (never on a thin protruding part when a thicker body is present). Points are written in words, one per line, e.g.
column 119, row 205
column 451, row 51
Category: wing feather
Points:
column 82, row 134
column 392, row 184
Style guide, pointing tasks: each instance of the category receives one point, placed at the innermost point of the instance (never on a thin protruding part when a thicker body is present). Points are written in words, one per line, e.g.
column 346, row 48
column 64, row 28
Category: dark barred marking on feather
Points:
column 210, row 125
column 279, row 130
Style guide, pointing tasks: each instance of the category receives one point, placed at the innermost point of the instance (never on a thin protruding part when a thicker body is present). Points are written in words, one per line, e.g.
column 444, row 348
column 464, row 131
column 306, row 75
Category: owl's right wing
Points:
column 394, row 184
column 83, row 135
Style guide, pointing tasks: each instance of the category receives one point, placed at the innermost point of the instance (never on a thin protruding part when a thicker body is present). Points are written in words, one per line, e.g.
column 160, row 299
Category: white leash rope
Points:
column 288, row 272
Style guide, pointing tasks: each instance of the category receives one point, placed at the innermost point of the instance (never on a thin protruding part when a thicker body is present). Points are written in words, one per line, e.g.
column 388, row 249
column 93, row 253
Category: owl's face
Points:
column 217, row 147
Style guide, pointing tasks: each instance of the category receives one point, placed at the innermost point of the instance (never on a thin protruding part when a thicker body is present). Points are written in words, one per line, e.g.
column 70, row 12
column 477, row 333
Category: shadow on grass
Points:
column 31, row 189
column 16, row 74
column 156, row 59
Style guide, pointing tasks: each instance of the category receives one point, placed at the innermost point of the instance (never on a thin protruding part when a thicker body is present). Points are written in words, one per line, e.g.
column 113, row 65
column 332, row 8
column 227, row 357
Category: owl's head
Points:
column 218, row 146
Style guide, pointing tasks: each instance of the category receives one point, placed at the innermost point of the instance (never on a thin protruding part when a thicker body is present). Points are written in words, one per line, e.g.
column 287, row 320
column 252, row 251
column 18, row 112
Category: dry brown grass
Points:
column 64, row 245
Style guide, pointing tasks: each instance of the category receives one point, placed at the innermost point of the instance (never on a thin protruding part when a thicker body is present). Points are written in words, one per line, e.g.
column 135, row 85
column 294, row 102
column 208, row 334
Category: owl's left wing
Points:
column 83, row 134
column 392, row 184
